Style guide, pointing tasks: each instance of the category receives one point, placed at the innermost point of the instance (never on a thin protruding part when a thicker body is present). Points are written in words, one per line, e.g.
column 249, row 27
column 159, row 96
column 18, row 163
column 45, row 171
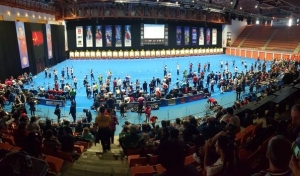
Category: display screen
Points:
column 37, row 38
column 154, row 34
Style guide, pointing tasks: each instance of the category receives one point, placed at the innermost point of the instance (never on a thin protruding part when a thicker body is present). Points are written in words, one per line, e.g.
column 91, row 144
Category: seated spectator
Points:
column 67, row 143
column 231, row 118
column 51, row 141
column 165, row 135
column 278, row 160
column 79, row 127
column 209, row 128
column 34, row 144
column 86, row 135
column 20, row 135
column 189, row 132
column 225, row 149
column 49, row 127
column 171, row 155
column 33, row 126
column 131, row 140
column 159, row 132
column 65, row 126
column 199, row 149
column 145, row 135
column 124, row 131
column 178, row 125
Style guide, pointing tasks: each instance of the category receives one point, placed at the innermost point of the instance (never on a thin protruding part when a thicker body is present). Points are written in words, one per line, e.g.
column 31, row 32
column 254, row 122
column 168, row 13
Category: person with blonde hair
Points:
column 86, row 135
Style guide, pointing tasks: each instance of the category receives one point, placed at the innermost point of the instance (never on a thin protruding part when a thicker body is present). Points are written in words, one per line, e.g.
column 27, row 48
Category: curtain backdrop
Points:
column 10, row 64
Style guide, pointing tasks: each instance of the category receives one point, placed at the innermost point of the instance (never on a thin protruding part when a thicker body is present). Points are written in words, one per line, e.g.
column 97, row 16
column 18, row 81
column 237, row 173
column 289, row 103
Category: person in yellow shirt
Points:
column 102, row 122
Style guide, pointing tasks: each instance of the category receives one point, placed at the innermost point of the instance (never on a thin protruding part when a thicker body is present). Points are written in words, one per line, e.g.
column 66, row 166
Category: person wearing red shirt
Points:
column 141, row 101
column 148, row 113
column 195, row 80
column 153, row 120
column 212, row 102
column 51, row 97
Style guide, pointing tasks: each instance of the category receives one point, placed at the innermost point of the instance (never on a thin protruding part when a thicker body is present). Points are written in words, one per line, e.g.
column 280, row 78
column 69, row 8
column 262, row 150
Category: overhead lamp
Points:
column 231, row 2
column 256, row 6
column 241, row 8
column 18, row 14
column 8, row 13
column 26, row 15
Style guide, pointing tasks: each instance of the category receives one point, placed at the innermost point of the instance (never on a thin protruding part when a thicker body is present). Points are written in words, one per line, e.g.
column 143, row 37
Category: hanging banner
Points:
column 22, row 44
column 214, row 36
column 98, row 36
column 89, row 36
column 127, row 37
column 79, row 36
column 201, row 36
column 178, row 35
column 108, row 35
column 118, row 35
column 207, row 36
column 186, row 35
column 194, row 35
column 49, row 41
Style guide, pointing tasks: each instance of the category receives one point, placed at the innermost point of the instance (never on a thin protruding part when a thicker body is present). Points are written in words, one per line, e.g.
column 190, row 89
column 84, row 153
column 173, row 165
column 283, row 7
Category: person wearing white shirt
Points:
column 75, row 82
column 119, row 83
column 67, row 88
column 169, row 76
column 178, row 68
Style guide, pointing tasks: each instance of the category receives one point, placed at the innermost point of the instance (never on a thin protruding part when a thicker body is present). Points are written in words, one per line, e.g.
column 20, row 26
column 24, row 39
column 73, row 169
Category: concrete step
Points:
column 99, row 156
column 108, row 163
column 87, row 170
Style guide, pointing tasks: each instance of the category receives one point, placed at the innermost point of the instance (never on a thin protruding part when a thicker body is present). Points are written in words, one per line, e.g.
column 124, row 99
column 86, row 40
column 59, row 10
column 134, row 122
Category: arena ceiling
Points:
column 266, row 8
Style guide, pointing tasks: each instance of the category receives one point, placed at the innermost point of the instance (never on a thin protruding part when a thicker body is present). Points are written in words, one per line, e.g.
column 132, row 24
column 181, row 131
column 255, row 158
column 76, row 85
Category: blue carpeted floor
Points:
column 144, row 70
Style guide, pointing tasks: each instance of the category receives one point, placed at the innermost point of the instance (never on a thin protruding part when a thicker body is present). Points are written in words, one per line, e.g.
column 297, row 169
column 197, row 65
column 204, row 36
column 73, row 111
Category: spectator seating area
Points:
column 55, row 159
column 281, row 38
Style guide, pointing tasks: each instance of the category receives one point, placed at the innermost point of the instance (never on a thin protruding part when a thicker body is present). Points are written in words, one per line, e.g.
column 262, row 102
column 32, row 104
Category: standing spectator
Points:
column 73, row 111
column 57, row 112
column 112, row 125
column 32, row 107
column 102, row 122
column 33, row 126
column 141, row 101
column 147, row 113
column 67, row 141
column 153, row 120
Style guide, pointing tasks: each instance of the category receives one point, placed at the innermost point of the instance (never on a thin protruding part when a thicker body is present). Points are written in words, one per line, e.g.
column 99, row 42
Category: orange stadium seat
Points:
column 142, row 171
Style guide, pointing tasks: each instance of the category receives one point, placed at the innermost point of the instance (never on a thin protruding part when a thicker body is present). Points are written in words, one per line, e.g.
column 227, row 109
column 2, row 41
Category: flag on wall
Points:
column 98, row 36
column 108, row 35
column 22, row 44
column 178, row 35
column 89, row 36
column 207, row 36
column 201, row 36
column 118, row 35
column 214, row 36
column 127, row 37
column 49, row 41
column 194, row 35
column 79, row 36
column 186, row 35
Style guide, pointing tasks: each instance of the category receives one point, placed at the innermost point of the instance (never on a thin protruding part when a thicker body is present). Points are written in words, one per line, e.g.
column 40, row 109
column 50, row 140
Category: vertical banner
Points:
column 178, row 35
column 79, row 36
column 89, row 36
column 98, row 36
column 49, row 41
column 201, row 36
column 186, row 35
column 194, row 35
column 214, row 36
column 22, row 44
column 127, row 37
column 108, row 35
column 118, row 35
column 207, row 36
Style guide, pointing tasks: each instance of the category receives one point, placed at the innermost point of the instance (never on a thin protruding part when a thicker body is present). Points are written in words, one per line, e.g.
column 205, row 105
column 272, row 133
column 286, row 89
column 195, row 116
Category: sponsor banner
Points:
column 171, row 102
column 178, row 35
column 79, row 36
column 54, row 103
column 49, row 41
column 208, row 36
column 214, row 36
column 194, row 35
column 186, row 35
column 201, row 36
column 118, row 35
column 127, row 36
column 108, row 35
column 89, row 36
column 196, row 97
column 98, row 36
column 22, row 44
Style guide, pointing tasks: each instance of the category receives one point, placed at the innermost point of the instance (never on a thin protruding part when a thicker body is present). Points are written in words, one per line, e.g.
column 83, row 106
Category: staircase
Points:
column 297, row 49
column 241, row 43
column 270, row 39
column 94, row 163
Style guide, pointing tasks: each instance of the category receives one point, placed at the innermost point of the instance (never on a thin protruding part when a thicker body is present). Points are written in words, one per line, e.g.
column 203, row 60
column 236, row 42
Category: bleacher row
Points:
column 281, row 38
column 54, row 159
column 147, row 166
